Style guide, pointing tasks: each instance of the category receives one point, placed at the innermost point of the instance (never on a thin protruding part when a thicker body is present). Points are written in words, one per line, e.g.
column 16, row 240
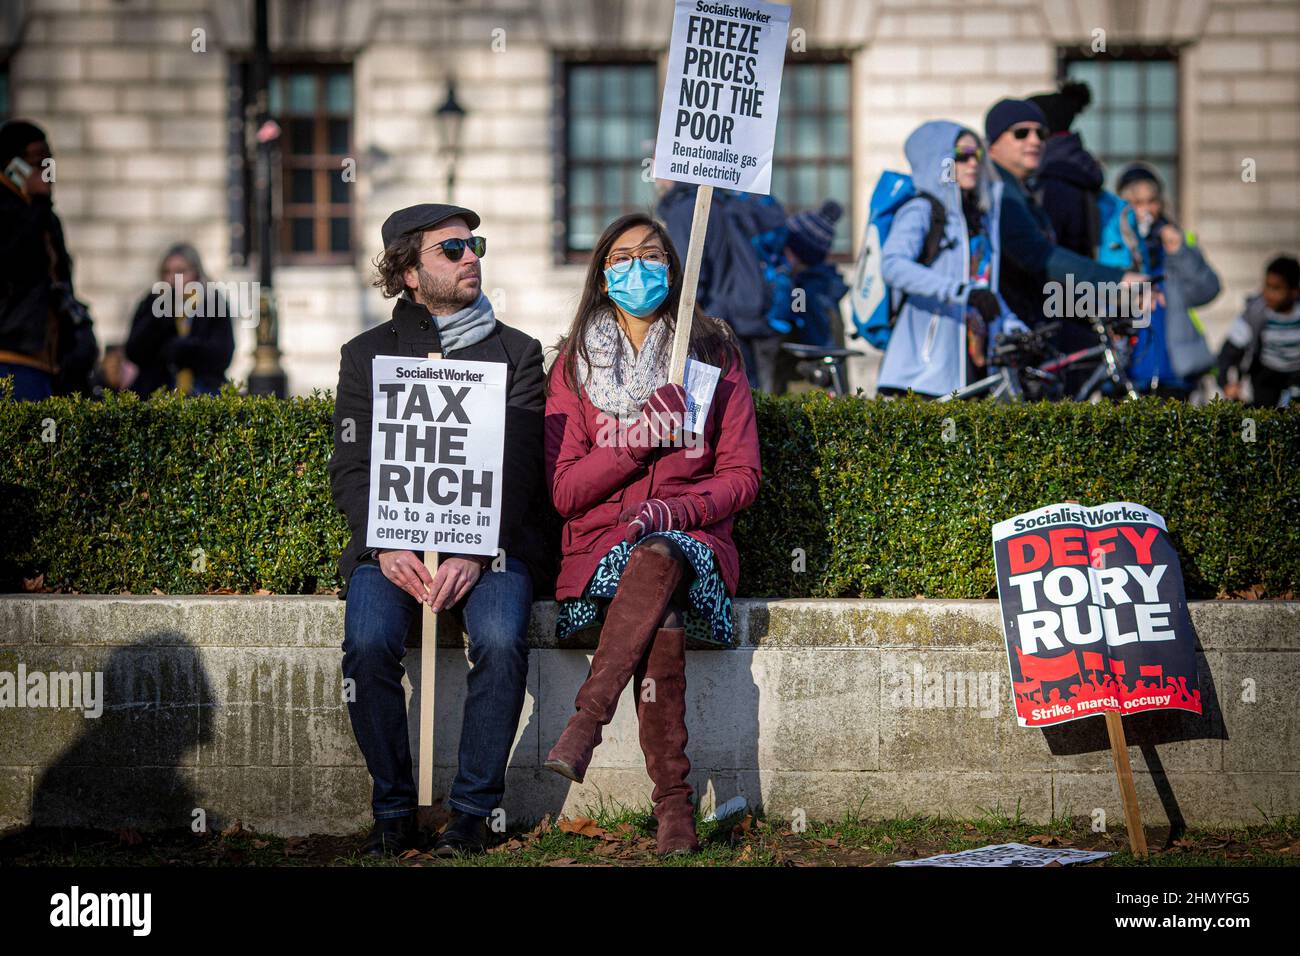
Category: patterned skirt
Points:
column 708, row 615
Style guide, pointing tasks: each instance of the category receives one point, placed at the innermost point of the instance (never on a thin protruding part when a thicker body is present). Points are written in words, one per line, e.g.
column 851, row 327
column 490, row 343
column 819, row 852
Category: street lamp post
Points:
column 451, row 118
column 267, row 376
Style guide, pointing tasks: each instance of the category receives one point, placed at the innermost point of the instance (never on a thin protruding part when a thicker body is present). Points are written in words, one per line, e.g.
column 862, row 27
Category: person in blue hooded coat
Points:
column 951, row 310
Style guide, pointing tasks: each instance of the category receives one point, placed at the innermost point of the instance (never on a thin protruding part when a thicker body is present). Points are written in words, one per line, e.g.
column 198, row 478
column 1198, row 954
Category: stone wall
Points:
column 233, row 705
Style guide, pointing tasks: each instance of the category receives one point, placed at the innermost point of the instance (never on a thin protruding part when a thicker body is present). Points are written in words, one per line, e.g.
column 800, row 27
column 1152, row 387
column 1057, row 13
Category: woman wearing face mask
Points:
column 647, row 552
column 951, row 309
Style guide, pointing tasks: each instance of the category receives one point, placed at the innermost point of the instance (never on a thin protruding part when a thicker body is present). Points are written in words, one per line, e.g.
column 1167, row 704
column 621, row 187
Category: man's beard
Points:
column 439, row 294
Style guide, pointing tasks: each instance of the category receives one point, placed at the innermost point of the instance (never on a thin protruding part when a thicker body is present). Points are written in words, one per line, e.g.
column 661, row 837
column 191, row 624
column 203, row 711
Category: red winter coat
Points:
column 591, row 484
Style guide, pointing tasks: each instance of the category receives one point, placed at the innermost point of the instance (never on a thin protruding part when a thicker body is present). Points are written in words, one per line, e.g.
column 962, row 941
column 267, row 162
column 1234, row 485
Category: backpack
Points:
column 1112, row 250
column 741, row 287
column 875, row 308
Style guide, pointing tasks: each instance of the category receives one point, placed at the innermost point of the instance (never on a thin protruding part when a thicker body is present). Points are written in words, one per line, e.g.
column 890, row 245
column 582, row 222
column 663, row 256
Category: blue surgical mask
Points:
column 640, row 289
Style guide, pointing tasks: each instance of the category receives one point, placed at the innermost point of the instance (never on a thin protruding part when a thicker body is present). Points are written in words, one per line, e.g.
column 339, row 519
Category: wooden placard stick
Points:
column 428, row 675
column 1137, row 839
column 690, row 279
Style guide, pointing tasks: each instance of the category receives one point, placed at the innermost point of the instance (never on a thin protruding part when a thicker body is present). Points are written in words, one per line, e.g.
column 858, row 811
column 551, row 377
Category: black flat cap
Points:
column 424, row 216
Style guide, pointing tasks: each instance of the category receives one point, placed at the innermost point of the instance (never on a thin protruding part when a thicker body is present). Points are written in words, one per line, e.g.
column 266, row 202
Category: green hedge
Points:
column 881, row 499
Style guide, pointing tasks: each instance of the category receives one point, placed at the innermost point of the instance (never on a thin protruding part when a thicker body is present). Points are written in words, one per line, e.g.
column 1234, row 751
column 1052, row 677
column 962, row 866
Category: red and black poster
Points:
column 1094, row 613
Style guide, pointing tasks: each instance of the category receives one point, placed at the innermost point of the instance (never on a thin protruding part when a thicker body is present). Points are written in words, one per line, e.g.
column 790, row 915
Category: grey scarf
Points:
column 471, row 324
column 617, row 381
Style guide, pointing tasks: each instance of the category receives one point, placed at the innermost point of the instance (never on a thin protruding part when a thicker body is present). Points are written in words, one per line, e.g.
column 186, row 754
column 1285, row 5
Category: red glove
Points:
column 663, row 514
column 662, row 416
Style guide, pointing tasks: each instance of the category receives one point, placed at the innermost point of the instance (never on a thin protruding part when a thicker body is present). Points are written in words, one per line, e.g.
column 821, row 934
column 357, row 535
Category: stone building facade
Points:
column 146, row 135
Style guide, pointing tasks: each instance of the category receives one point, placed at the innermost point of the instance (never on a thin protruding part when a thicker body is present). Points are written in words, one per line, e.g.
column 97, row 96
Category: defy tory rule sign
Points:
column 437, row 432
column 717, row 122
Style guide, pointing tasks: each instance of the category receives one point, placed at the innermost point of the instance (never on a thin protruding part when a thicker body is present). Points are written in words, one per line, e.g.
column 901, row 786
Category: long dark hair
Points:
column 712, row 341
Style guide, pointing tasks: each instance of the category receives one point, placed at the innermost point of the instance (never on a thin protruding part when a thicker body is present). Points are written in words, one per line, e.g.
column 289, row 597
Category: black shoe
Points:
column 465, row 834
column 395, row 835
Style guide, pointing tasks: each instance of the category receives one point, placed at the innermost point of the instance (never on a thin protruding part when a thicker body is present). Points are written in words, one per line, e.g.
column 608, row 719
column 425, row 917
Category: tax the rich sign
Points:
column 1094, row 613
column 437, row 433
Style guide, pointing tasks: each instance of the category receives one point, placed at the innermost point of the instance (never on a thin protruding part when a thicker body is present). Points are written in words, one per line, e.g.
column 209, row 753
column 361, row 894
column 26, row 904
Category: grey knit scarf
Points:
column 618, row 381
column 471, row 324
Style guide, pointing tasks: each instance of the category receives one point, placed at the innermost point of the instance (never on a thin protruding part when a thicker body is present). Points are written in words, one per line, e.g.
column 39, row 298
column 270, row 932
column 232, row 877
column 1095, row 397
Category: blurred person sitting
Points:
column 813, row 317
column 1264, row 340
column 47, row 341
column 181, row 336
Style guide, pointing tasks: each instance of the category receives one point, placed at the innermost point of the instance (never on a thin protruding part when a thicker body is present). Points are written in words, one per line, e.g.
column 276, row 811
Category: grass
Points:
column 623, row 836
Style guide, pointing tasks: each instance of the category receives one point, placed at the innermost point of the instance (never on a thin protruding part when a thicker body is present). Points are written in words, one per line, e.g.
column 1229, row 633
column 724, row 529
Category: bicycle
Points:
column 826, row 367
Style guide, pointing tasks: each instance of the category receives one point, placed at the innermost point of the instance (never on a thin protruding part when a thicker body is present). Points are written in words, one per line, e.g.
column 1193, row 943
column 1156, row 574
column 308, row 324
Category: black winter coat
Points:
column 1070, row 179
column 33, row 258
column 156, row 347
column 527, row 522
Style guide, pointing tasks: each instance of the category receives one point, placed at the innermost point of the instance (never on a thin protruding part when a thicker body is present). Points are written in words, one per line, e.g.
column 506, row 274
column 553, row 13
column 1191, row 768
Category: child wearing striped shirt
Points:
column 1264, row 340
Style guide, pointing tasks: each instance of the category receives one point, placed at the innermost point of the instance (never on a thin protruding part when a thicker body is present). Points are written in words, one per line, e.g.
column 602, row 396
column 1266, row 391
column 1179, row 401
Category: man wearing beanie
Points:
column 1069, row 178
column 45, row 338
column 1016, row 131
column 1069, row 182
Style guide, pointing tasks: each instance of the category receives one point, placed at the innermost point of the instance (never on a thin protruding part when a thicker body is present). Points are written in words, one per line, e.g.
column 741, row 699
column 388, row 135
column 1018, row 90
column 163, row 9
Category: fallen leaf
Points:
column 295, row 846
column 583, row 826
column 233, row 830
column 1044, row 839
column 409, row 854
column 563, row 861
column 34, row 584
column 129, row 837
column 261, row 844
column 747, row 854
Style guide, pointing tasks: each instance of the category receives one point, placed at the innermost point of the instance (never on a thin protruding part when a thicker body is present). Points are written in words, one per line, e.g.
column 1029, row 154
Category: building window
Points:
column 609, row 114
column 312, row 103
column 813, row 158
column 1134, row 110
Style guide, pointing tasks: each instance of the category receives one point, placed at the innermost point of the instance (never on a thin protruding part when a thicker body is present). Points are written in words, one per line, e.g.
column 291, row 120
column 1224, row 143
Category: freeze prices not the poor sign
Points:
column 722, row 89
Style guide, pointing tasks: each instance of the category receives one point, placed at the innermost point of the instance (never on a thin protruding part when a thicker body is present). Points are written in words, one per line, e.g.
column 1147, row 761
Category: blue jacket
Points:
column 1172, row 350
column 927, row 349
column 1031, row 255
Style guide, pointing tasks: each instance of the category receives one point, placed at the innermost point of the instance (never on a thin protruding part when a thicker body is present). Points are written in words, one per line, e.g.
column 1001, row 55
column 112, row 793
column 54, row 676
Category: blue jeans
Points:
column 377, row 618
column 30, row 384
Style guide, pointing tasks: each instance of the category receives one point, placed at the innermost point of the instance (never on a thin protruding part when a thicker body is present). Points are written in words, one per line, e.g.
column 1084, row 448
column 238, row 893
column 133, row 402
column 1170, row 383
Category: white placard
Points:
column 717, row 120
column 437, row 433
column 1009, row 854
column 701, row 382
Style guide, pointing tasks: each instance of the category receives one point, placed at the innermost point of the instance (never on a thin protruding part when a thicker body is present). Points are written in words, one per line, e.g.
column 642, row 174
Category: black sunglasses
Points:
column 1024, row 131
column 453, row 249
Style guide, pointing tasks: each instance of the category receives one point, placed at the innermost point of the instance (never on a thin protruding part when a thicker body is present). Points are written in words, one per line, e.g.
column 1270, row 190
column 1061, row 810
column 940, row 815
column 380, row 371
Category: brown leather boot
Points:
column 633, row 616
column 663, row 739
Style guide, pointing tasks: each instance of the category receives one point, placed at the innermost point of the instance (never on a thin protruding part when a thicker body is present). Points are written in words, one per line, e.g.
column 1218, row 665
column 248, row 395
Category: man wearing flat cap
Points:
column 431, row 265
